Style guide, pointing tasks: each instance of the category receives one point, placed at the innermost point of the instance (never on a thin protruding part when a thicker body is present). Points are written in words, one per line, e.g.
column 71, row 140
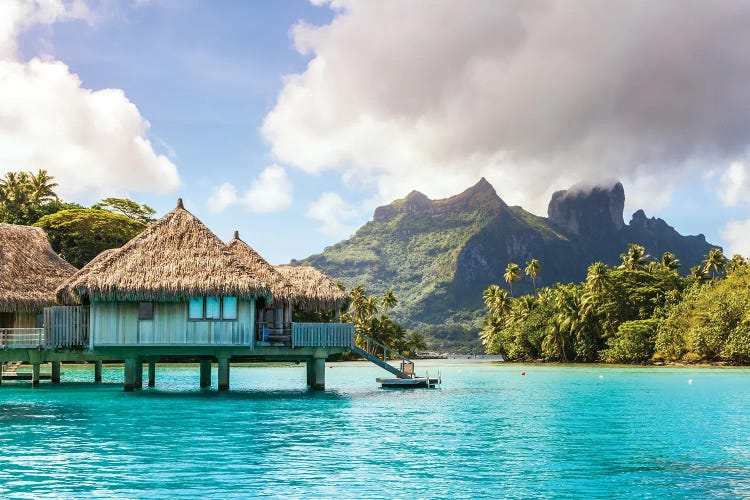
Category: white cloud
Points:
column 734, row 185
column 333, row 213
column 270, row 192
column 533, row 95
column 93, row 142
column 737, row 235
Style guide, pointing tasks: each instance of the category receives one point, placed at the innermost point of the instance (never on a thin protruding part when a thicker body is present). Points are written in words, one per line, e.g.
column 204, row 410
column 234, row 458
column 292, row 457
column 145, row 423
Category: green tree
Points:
column 79, row 235
column 714, row 262
column 129, row 208
column 670, row 261
column 533, row 268
column 41, row 187
column 512, row 274
column 634, row 258
column 389, row 300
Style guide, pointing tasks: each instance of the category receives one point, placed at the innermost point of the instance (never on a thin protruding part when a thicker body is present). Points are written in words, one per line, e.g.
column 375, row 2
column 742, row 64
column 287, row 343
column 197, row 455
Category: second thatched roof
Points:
column 175, row 258
column 281, row 289
column 30, row 270
column 312, row 289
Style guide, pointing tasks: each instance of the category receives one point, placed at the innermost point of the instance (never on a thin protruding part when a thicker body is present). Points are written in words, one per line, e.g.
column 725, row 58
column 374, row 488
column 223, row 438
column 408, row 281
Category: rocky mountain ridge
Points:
column 439, row 255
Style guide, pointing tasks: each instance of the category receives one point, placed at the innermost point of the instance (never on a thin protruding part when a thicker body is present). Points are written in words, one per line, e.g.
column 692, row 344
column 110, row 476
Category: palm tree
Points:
column 715, row 262
column 634, row 258
column 597, row 277
column 41, row 187
column 512, row 273
column 670, row 261
column 698, row 273
column 532, row 270
column 389, row 300
column 497, row 301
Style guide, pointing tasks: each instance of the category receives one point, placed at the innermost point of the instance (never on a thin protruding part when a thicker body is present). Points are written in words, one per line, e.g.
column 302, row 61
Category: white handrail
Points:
column 21, row 337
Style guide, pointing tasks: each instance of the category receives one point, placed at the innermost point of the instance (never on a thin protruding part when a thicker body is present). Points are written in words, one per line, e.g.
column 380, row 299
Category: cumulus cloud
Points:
column 270, row 192
column 533, row 95
column 734, row 185
column 737, row 235
column 333, row 213
column 93, row 142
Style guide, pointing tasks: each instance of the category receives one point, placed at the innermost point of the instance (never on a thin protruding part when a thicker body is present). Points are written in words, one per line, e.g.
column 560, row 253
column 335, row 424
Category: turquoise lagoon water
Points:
column 584, row 432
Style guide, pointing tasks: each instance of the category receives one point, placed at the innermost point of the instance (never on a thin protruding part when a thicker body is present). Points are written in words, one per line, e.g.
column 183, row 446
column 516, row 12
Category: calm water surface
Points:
column 488, row 432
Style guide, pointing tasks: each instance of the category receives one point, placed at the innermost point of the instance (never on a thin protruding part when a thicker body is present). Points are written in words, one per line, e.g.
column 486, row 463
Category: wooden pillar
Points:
column 2, row 365
column 316, row 373
column 35, row 375
column 205, row 373
column 151, row 373
column 223, row 374
column 138, row 382
column 97, row 371
column 55, row 375
column 337, row 315
column 129, row 374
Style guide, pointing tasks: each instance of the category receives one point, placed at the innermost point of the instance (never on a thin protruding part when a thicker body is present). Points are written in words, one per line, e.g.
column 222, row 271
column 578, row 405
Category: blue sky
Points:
column 291, row 121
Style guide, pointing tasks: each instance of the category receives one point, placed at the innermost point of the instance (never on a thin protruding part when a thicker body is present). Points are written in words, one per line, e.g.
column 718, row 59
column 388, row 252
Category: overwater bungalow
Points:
column 30, row 272
column 176, row 290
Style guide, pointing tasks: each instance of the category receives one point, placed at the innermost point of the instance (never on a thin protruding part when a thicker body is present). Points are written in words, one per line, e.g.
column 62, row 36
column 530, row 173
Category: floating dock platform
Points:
column 408, row 383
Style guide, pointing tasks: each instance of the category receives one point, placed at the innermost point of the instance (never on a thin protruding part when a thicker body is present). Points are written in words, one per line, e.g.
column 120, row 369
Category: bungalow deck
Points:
column 66, row 338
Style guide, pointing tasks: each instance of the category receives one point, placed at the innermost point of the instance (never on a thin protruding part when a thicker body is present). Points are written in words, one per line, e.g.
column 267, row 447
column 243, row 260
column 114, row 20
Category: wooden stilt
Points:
column 223, row 374
column 35, row 374
column 151, row 373
column 97, row 371
column 129, row 374
column 205, row 373
column 55, row 372
column 319, row 374
column 138, row 381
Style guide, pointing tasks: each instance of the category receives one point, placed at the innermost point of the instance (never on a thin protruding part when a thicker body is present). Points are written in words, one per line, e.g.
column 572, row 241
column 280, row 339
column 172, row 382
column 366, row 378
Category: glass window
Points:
column 213, row 308
column 229, row 306
column 196, row 308
column 146, row 310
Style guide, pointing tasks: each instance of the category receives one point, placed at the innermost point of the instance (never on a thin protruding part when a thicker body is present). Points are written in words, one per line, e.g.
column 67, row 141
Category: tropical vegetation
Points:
column 638, row 312
column 75, row 232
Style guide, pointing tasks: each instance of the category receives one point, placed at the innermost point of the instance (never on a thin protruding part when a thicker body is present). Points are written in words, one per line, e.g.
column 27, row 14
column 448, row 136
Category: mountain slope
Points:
column 439, row 255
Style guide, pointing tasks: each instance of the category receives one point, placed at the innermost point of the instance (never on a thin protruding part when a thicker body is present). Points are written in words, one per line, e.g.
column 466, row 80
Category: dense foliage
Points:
column 369, row 315
column 641, row 311
column 81, row 234
column 77, row 233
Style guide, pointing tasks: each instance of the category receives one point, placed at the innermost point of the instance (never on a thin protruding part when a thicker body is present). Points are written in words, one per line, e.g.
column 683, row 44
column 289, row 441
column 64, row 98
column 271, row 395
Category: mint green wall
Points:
column 117, row 323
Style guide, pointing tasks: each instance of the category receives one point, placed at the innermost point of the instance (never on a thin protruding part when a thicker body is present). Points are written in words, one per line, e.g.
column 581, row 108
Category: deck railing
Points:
column 67, row 326
column 322, row 334
column 20, row 338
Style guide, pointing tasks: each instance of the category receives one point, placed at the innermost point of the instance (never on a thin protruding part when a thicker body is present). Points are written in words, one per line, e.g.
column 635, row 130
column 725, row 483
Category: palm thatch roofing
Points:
column 281, row 289
column 30, row 270
column 312, row 289
column 175, row 258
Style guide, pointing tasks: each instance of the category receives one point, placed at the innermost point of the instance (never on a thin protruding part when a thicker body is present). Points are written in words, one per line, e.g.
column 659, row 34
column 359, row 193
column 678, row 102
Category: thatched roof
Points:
column 313, row 290
column 175, row 258
column 280, row 287
column 30, row 270
column 65, row 293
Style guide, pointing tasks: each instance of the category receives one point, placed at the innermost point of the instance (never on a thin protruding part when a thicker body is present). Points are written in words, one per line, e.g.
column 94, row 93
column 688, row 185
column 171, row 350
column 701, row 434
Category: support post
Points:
column 310, row 371
column 138, row 382
column 205, row 373
column 151, row 373
column 2, row 365
column 129, row 374
column 318, row 373
column 223, row 374
column 55, row 375
column 35, row 375
column 97, row 371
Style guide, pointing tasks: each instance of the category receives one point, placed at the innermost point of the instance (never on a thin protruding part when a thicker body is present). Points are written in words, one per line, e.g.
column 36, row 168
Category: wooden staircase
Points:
column 378, row 353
